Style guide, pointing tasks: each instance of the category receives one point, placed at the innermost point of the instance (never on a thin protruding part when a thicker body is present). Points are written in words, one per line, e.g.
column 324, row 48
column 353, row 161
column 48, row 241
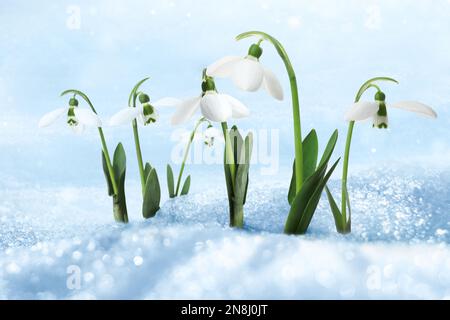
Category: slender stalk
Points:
column 132, row 103
column 345, row 171
column 367, row 85
column 295, row 102
column 186, row 153
column 229, row 152
column 102, row 138
column 137, row 145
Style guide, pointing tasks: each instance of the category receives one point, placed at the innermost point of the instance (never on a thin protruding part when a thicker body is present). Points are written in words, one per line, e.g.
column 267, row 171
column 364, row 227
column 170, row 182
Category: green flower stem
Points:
column 137, row 144
column 102, row 138
column 295, row 102
column 132, row 103
column 186, row 153
column 345, row 171
column 229, row 156
column 368, row 84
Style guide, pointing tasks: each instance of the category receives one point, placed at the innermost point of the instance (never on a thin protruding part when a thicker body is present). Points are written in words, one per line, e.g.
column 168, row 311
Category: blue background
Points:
column 334, row 46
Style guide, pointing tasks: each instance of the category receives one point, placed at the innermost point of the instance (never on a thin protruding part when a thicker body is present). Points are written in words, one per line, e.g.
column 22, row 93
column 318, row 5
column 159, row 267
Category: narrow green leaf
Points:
column 301, row 200
column 310, row 155
column 334, row 210
column 228, row 180
column 107, row 176
column 313, row 201
column 120, row 161
column 147, row 170
column 248, row 157
column 240, row 184
column 237, row 143
column 119, row 201
column 186, row 186
column 292, row 187
column 152, row 195
column 329, row 148
column 170, row 182
column 348, row 226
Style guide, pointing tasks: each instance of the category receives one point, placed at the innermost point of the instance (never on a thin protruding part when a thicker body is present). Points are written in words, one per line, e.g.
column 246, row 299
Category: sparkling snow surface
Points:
column 398, row 249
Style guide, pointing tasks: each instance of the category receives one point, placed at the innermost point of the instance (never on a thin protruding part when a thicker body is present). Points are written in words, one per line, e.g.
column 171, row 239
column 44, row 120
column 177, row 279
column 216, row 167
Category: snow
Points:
column 65, row 245
column 57, row 237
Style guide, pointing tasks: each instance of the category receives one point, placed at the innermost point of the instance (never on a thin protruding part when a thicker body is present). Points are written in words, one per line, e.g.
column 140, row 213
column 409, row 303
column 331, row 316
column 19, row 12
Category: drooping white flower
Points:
column 77, row 118
column 145, row 113
column 363, row 110
column 212, row 135
column 247, row 72
column 214, row 106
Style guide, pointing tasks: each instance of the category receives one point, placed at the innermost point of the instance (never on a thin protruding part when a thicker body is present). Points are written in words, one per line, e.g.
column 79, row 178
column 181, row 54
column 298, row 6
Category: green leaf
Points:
column 119, row 201
column 120, row 161
column 310, row 154
column 292, row 187
column 248, row 156
column 107, row 176
column 170, row 182
column 186, row 186
column 240, row 184
column 237, row 143
column 304, row 204
column 147, row 170
column 330, row 148
column 301, row 200
column 313, row 201
column 337, row 215
column 228, row 180
column 152, row 195
column 348, row 226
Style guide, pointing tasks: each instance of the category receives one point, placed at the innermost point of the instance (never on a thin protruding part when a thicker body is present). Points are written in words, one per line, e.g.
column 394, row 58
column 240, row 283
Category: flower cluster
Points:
column 309, row 175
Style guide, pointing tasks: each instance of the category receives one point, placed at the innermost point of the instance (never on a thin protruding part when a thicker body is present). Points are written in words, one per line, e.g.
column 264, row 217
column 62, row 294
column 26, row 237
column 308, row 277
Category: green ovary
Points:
column 381, row 118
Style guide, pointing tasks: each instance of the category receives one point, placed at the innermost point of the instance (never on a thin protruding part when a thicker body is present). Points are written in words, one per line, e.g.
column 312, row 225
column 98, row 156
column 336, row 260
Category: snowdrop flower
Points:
column 247, row 72
column 216, row 107
column 210, row 135
column 360, row 111
column 378, row 110
column 77, row 118
column 145, row 113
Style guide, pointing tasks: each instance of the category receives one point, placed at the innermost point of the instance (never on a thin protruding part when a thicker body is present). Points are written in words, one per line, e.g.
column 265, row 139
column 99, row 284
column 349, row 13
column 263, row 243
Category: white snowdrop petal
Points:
column 239, row 110
column 124, row 116
column 167, row 102
column 272, row 85
column 248, row 75
column 414, row 106
column 215, row 108
column 87, row 117
column 78, row 129
column 224, row 67
column 361, row 111
column 185, row 110
column 380, row 120
column 140, row 119
column 51, row 117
